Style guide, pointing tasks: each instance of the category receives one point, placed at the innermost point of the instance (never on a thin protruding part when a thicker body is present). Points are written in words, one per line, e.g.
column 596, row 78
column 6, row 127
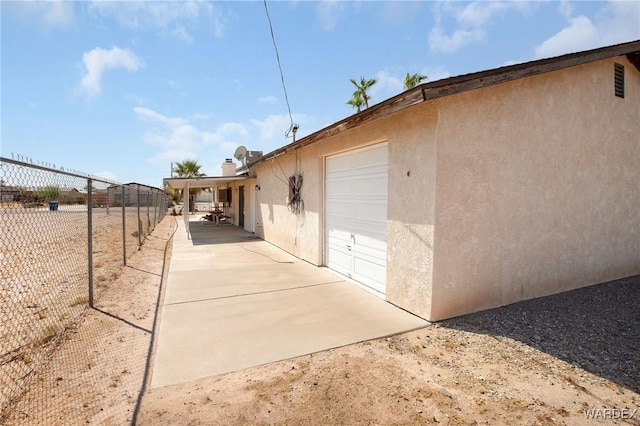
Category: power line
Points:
column 294, row 127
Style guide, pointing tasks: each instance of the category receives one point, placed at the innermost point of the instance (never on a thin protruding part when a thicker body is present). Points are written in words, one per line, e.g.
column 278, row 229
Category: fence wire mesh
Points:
column 64, row 239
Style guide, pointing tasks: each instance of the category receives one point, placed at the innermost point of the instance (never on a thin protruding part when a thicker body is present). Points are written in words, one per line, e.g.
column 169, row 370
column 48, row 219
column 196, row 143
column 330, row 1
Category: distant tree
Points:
column 361, row 88
column 190, row 168
column 411, row 81
column 172, row 194
column 356, row 101
column 50, row 192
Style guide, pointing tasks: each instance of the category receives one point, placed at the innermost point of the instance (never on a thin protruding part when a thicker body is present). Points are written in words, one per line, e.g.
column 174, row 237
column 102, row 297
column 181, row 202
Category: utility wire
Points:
column 294, row 127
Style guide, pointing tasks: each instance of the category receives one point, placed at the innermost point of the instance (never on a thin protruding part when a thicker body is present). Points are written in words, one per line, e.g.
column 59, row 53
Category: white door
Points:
column 356, row 215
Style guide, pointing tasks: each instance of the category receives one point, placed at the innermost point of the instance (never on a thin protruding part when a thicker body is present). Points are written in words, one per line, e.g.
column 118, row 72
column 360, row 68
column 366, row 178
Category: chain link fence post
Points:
column 60, row 251
column 148, row 212
column 139, row 219
column 124, row 229
column 90, row 238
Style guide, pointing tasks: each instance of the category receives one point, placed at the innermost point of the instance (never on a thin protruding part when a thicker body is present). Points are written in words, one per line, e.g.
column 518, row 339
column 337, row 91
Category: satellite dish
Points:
column 241, row 153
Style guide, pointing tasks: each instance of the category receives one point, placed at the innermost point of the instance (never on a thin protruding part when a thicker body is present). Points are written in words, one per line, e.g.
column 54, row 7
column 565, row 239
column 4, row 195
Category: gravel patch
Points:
column 595, row 328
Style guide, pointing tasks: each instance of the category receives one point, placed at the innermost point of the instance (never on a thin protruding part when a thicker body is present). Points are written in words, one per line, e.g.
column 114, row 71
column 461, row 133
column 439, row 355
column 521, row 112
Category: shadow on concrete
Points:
column 203, row 233
column 595, row 328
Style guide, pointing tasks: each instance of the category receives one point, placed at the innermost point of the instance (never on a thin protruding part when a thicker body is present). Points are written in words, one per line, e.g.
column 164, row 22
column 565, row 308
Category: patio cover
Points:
column 186, row 183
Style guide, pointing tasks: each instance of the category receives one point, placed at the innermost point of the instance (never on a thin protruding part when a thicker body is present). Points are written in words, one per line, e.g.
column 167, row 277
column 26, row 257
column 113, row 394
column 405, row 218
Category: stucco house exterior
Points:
column 467, row 193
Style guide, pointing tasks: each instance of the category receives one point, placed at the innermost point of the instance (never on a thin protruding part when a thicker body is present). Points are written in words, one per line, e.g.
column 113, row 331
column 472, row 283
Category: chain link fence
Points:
column 64, row 239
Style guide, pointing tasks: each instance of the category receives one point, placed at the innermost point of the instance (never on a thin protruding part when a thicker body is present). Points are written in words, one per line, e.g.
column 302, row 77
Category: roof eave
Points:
column 457, row 84
column 201, row 182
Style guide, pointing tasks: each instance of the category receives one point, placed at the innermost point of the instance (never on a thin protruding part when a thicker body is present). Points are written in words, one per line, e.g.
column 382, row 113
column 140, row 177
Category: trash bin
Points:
column 53, row 206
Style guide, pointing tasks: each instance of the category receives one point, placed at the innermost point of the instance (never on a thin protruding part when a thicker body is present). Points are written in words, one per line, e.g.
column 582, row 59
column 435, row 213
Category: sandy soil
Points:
column 438, row 375
column 93, row 370
column 526, row 364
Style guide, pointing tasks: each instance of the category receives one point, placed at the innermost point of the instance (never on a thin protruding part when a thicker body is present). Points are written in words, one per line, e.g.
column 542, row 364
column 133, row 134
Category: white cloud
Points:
column 480, row 12
column 177, row 138
column 58, row 14
column 182, row 34
column 437, row 73
column 565, row 8
column 469, row 22
column 98, row 60
column 386, row 86
column 172, row 17
column 220, row 26
column 272, row 128
column 142, row 14
column 441, row 42
column 149, row 114
column 389, row 85
column 328, row 13
column 616, row 22
column 398, row 13
column 621, row 22
column 579, row 35
column 45, row 15
column 226, row 132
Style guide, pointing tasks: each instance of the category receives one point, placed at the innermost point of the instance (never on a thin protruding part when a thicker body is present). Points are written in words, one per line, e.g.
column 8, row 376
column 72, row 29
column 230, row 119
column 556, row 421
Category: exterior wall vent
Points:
column 618, row 79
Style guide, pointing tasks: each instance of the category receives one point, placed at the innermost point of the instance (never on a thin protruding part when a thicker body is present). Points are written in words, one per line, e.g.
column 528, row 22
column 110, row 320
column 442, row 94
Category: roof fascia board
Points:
column 202, row 181
column 458, row 84
column 634, row 58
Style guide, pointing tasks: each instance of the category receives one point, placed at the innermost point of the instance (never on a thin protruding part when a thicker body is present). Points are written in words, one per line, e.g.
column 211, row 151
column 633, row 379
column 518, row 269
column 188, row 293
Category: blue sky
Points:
column 121, row 89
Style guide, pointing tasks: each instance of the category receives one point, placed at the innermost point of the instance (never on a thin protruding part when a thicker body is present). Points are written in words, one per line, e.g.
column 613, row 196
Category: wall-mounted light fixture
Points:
column 257, row 187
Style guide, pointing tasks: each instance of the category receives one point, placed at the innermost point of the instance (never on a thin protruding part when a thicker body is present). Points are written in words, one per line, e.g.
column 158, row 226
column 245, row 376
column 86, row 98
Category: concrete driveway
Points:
column 232, row 301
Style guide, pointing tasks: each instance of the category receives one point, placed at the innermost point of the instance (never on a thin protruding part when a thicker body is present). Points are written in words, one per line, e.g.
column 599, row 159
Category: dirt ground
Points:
column 94, row 368
column 438, row 375
column 549, row 361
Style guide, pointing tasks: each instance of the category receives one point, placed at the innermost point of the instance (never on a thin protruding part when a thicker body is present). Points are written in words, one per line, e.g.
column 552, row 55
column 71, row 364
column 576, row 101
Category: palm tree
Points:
column 411, row 81
column 190, row 168
column 356, row 101
column 362, row 87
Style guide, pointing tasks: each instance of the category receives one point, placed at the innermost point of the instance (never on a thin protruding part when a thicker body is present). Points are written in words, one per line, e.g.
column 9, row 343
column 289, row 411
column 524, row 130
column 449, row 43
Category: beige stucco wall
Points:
column 249, row 201
column 410, row 209
column 509, row 192
column 410, row 224
column 297, row 234
column 538, row 188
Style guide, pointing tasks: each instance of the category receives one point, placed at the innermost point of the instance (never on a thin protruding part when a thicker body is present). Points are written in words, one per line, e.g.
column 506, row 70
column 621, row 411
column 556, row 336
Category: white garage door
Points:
column 356, row 215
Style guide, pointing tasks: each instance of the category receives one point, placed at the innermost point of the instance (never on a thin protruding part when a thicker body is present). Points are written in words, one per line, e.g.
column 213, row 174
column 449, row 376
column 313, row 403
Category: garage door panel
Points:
column 370, row 236
column 356, row 214
column 370, row 274
column 375, row 238
column 341, row 163
column 340, row 260
column 370, row 186
column 372, row 212
column 340, row 187
column 339, row 237
column 371, row 157
column 341, row 212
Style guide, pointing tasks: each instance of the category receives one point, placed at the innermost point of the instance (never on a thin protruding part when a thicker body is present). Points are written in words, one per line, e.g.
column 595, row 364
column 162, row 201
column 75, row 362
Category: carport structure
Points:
column 185, row 184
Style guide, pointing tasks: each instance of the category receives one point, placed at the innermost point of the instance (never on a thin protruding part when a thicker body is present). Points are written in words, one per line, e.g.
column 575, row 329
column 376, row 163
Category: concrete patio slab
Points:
column 233, row 302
